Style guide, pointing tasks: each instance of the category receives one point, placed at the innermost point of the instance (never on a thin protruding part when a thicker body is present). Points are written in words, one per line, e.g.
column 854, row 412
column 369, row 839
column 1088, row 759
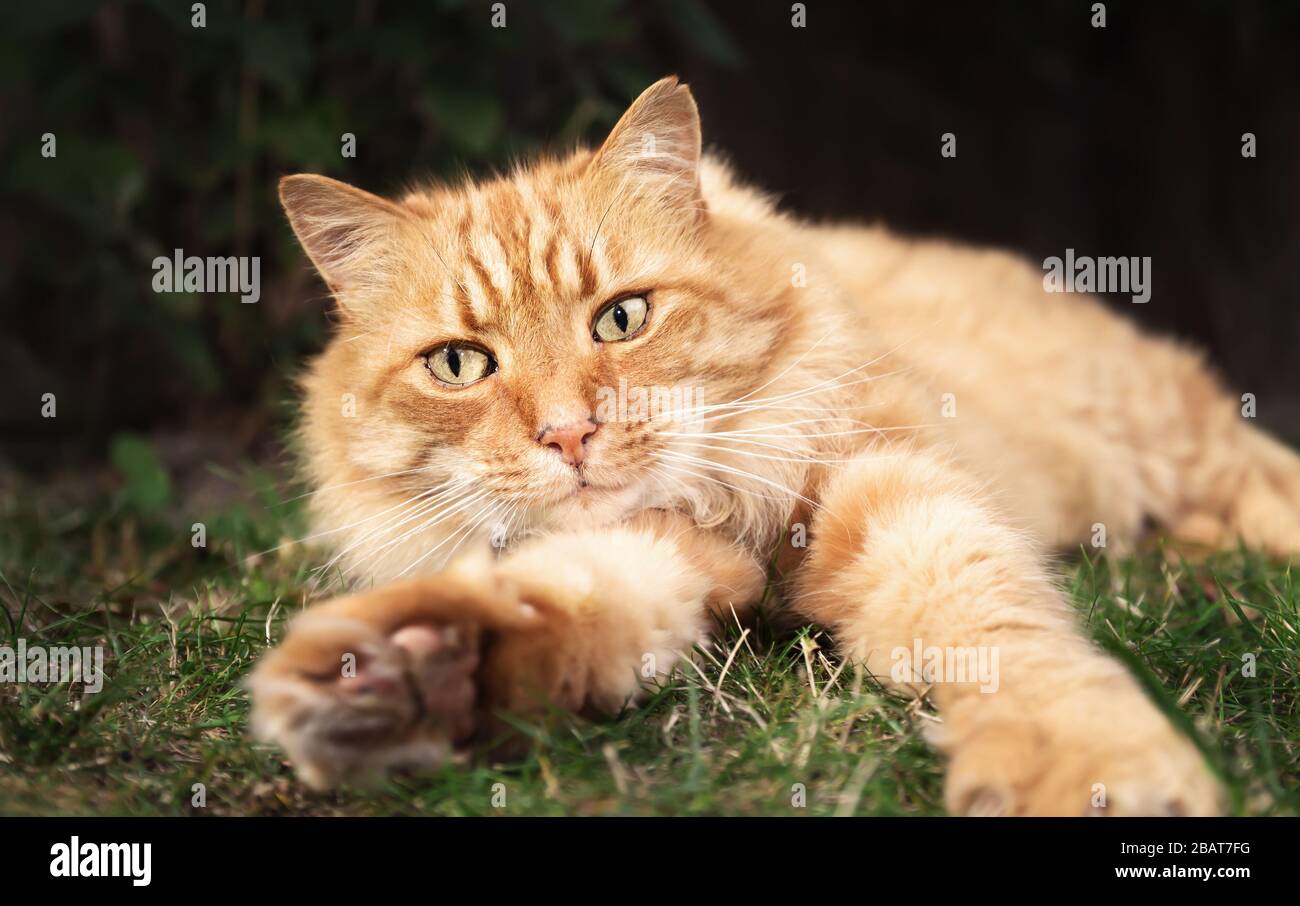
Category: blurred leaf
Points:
column 302, row 140
column 472, row 119
column 192, row 349
column 146, row 486
column 586, row 21
column 278, row 53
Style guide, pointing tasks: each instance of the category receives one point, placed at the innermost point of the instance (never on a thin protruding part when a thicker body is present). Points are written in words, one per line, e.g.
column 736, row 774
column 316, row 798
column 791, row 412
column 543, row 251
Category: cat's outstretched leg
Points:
column 579, row 620
column 1244, row 486
column 906, row 558
column 1214, row 479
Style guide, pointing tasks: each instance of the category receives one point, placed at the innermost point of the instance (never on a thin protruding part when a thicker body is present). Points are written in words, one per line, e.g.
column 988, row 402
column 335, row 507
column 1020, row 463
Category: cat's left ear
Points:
column 655, row 146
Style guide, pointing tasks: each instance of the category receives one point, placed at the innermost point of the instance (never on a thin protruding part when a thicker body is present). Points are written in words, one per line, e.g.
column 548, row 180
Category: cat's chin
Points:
column 592, row 505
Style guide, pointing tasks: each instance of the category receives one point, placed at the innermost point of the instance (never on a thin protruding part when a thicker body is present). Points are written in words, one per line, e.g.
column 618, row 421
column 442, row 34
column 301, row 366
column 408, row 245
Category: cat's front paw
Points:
column 1116, row 757
column 384, row 680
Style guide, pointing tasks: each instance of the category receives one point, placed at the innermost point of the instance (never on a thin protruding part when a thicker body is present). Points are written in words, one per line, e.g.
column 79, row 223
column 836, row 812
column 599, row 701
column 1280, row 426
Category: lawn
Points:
column 783, row 729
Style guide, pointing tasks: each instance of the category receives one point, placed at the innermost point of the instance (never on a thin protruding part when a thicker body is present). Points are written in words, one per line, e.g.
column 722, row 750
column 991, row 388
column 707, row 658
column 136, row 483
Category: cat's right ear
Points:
column 341, row 228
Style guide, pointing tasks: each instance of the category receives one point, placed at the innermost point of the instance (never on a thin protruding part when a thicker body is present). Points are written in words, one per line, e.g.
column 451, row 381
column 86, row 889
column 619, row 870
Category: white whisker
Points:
column 707, row 463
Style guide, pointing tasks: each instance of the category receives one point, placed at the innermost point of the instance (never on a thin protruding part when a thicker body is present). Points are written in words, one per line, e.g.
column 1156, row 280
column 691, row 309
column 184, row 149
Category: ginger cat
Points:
column 932, row 418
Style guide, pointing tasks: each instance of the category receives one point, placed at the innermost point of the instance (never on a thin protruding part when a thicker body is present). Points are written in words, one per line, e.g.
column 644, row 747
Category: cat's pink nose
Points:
column 570, row 439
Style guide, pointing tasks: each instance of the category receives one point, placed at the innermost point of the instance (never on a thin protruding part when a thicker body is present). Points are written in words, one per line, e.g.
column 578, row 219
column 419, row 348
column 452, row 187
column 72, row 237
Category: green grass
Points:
column 182, row 626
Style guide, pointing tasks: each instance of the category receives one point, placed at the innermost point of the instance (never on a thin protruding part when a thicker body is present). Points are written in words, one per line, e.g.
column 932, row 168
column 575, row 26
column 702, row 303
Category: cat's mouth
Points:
column 586, row 488
column 585, row 493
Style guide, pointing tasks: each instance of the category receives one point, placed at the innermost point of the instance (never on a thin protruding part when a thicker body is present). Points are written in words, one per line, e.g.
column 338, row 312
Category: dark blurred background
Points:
column 1123, row 140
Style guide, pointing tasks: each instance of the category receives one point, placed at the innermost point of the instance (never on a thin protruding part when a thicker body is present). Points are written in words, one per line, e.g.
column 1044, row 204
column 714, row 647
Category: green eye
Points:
column 621, row 320
column 459, row 365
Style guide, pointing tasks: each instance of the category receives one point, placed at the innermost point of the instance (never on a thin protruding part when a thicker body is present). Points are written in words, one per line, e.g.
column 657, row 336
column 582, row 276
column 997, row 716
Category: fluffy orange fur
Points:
column 926, row 414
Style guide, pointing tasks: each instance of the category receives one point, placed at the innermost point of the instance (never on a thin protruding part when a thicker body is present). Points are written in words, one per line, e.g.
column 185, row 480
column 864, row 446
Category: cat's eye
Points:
column 459, row 365
column 621, row 319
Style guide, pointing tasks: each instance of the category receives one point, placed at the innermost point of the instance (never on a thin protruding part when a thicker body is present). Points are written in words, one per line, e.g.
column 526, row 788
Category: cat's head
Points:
column 541, row 341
